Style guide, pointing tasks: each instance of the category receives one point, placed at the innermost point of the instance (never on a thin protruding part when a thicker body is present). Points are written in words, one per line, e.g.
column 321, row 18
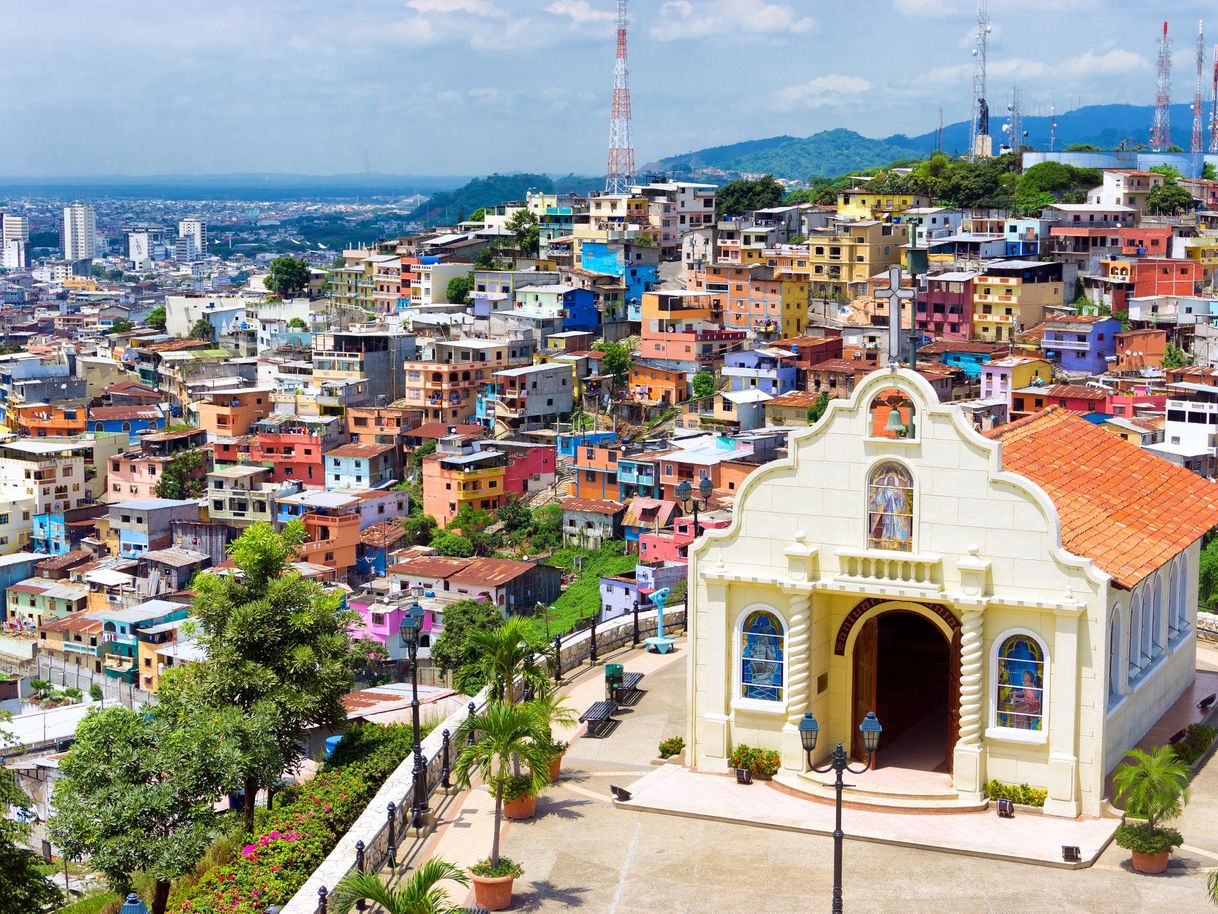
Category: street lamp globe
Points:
column 809, row 729
column 684, row 490
column 410, row 629
column 705, row 488
column 871, row 730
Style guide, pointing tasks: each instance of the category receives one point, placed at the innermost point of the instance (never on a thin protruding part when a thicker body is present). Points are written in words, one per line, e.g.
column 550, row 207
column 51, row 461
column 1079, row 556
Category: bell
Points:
column 894, row 423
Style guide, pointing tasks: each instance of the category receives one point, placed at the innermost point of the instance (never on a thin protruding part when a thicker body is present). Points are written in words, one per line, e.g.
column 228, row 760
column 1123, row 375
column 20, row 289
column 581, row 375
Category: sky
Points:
column 462, row 87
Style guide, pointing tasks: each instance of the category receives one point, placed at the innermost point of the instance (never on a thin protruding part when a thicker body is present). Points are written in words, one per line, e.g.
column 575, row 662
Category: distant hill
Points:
column 449, row 207
column 834, row 152
column 230, row 186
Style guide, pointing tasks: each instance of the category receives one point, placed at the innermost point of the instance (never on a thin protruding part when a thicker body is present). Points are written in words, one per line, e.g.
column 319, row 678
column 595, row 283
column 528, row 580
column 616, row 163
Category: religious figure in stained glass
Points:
column 890, row 508
column 761, row 657
column 1021, row 669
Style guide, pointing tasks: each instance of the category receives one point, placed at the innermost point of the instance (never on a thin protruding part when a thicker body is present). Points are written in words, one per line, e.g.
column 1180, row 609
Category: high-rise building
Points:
column 197, row 230
column 79, row 232
column 14, row 240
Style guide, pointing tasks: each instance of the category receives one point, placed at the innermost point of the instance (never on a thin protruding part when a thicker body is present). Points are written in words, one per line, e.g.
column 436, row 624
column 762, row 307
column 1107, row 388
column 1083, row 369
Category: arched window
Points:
column 98, row 427
column 1021, row 683
column 1153, row 639
column 1173, row 601
column 762, row 657
column 1135, row 637
column 890, row 508
column 891, row 415
column 1184, row 598
column 1115, row 676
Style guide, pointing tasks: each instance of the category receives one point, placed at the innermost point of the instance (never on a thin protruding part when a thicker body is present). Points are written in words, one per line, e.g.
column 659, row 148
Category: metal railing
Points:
column 387, row 834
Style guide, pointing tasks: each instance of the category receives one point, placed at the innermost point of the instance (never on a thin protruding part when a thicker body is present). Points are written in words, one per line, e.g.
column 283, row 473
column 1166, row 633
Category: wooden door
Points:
column 865, row 659
column 953, row 698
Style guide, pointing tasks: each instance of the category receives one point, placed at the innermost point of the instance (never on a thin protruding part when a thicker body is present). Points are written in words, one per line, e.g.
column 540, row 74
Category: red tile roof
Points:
column 361, row 450
column 492, row 572
column 440, row 430
column 1124, row 508
column 592, row 506
column 99, row 413
column 430, row 566
column 1070, row 391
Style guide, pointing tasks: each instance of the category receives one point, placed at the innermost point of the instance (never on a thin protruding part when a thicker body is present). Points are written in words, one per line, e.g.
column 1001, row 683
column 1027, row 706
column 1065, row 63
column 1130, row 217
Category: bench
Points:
column 630, row 684
column 599, row 717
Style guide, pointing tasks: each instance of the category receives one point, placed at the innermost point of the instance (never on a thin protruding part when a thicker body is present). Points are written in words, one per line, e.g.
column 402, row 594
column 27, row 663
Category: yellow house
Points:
column 860, row 203
column 1003, row 305
column 790, row 408
column 839, row 261
column 1203, row 250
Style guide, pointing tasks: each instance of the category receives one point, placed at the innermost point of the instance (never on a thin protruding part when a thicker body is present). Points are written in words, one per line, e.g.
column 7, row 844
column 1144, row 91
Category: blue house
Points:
column 1023, row 236
column 361, row 466
column 576, row 307
column 1081, row 342
column 637, row 266
column 14, row 569
column 771, row 371
column 132, row 421
column 962, row 354
column 570, row 442
column 122, row 630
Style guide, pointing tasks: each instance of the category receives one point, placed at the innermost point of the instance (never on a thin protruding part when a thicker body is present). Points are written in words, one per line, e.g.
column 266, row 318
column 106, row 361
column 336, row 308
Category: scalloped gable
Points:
column 1124, row 508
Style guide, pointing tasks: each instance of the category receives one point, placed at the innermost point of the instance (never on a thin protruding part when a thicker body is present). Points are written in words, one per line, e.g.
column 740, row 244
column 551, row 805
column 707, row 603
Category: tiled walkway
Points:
column 1027, row 838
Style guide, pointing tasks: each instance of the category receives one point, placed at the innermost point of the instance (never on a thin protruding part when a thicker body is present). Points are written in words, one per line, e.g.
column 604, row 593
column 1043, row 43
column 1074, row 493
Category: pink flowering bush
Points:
column 294, row 838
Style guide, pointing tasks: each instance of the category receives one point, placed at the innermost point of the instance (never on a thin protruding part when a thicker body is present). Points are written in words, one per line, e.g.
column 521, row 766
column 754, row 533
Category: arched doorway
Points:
column 907, row 671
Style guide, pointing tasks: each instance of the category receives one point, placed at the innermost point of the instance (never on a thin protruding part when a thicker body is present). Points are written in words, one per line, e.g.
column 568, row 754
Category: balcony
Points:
column 1047, row 345
column 875, row 567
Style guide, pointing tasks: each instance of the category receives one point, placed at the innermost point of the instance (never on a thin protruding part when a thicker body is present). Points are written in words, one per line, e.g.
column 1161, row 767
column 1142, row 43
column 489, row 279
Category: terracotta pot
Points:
column 520, row 808
column 556, row 768
column 1150, row 863
column 493, row 893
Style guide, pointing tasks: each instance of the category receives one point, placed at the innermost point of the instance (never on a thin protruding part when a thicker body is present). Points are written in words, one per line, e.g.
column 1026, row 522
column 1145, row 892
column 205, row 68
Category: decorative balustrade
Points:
column 902, row 569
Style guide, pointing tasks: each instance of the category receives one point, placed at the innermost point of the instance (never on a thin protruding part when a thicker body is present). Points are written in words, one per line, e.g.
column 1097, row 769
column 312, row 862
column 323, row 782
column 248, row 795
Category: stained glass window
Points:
column 762, row 650
column 1021, row 683
column 890, row 508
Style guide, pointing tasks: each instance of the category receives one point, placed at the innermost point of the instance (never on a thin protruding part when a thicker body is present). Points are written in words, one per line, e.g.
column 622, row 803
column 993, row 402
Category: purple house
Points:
column 380, row 620
column 1081, row 342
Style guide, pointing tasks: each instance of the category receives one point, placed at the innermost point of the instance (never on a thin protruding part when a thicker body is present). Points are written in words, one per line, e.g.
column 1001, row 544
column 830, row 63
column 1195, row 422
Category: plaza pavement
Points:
column 584, row 853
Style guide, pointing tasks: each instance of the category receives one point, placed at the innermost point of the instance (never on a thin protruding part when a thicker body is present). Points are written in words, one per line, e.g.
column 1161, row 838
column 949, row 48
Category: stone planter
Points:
column 493, row 893
column 1151, row 864
column 518, row 809
column 678, row 759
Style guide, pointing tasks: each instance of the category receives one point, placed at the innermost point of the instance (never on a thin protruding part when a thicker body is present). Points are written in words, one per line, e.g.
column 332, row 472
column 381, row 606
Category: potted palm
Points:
column 422, row 893
column 553, row 711
column 1154, row 787
column 502, row 732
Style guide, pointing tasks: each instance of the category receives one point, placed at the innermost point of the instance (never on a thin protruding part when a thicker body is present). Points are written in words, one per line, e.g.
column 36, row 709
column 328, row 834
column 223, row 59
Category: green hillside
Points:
column 452, row 206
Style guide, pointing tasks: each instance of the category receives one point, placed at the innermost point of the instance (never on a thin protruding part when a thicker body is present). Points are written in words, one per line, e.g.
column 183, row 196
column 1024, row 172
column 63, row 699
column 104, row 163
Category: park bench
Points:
column 630, row 685
column 599, row 717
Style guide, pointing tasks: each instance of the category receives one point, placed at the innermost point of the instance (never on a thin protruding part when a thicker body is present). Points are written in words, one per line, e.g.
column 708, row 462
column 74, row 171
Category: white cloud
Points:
column 472, row 7
column 1020, row 69
column 580, row 11
column 820, row 92
column 683, row 20
column 1117, row 60
column 942, row 9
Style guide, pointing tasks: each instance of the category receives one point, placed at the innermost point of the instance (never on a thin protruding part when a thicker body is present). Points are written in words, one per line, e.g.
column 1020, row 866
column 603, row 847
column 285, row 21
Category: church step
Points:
column 947, row 800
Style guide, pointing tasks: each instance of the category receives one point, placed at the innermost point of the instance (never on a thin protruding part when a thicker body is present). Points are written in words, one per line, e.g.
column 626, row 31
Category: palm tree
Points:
column 504, row 654
column 1154, row 785
column 552, row 710
column 422, row 893
column 503, row 731
column 1212, row 886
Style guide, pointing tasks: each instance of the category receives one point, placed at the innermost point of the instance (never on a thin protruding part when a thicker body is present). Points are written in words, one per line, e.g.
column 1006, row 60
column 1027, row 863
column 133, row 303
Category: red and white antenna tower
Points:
column 620, row 173
column 1214, row 107
column 1160, row 131
column 1198, row 145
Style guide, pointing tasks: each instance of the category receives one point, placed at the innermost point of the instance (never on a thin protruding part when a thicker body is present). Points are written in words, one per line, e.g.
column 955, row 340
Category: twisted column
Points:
column 798, row 656
column 970, row 679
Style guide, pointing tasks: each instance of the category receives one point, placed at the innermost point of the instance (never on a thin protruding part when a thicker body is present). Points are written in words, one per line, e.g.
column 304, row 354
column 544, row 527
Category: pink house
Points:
column 530, row 467
column 673, row 545
column 382, row 622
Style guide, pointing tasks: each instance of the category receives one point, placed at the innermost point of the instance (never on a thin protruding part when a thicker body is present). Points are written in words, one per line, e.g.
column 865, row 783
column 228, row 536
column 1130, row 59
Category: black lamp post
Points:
column 809, row 729
column 685, row 493
column 412, row 623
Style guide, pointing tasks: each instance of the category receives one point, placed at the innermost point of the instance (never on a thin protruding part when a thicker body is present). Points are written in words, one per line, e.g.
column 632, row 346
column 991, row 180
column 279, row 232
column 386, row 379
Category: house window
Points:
column 1135, row 638
column 762, row 653
column 1020, row 683
column 1152, row 641
column 378, row 618
column 1177, row 608
column 890, row 508
column 1114, row 657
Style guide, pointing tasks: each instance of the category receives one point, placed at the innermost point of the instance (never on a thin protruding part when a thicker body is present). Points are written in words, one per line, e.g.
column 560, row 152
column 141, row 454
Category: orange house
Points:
column 650, row 382
column 1138, row 349
column 229, row 413
column 381, row 425
column 331, row 540
column 595, row 471
column 43, row 420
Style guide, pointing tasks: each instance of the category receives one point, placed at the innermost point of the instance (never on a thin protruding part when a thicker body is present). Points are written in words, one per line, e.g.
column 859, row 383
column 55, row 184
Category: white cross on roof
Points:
column 895, row 295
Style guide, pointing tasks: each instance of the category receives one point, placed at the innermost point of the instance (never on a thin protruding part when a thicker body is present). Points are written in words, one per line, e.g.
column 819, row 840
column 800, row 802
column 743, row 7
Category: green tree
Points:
column 1209, row 172
column 546, row 532
column 454, row 649
column 156, row 317
column 500, row 656
column 420, row 528
column 185, row 476
column 1168, row 200
column 817, row 409
column 202, row 329
column 287, row 276
column 121, row 327
column 1175, row 357
column 703, row 384
column 478, row 215
column 1082, row 147
column 1171, row 173
column 23, row 887
column 748, row 195
column 423, row 892
column 459, row 288
column 277, row 647
column 452, row 544
column 470, row 520
column 488, row 258
column 515, row 516
column 501, row 733
column 136, row 792
column 1207, row 575
column 526, row 235
column 297, row 323
column 617, row 361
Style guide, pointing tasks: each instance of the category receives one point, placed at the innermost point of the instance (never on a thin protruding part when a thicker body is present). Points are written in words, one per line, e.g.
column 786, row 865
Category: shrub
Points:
column 763, row 763
column 1022, row 794
column 505, row 867
column 671, row 747
column 291, row 840
column 515, row 788
column 1143, row 839
column 1197, row 741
